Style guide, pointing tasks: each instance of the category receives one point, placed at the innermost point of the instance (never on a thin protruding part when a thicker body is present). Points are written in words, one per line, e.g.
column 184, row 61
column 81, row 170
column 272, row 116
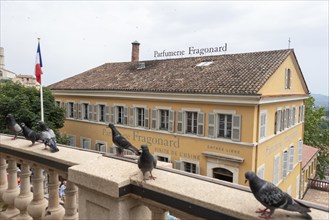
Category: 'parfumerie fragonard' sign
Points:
column 190, row 51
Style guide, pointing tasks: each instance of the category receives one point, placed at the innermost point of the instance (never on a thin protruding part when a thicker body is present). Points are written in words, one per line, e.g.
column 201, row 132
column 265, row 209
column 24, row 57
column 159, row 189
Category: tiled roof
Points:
column 308, row 153
column 243, row 73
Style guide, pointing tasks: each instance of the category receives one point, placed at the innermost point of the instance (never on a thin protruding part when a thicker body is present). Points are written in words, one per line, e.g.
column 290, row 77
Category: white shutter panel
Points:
column 113, row 150
column 290, row 79
column 107, row 114
column 261, row 171
column 132, row 117
column 291, row 158
column 113, row 114
column 211, row 125
column 76, row 110
column 154, row 119
column 236, row 127
column 146, row 118
column 102, row 148
column 90, row 112
column 276, row 169
column 286, row 79
column 178, row 165
column 197, row 169
column 125, row 115
column 303, row 112
column 180, row 122
column 300, row 150
column 171, row 121
column 294, row 115
column 200, row 121
column 67, row 110
column 284, row 164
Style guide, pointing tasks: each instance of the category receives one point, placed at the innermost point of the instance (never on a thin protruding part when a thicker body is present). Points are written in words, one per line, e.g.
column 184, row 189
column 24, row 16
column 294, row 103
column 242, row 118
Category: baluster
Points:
column 70, row 203
column 38, row 205
column 25, row 196
column 54, row 210
column 157, row 213
column 12, row 192
column 3, row 180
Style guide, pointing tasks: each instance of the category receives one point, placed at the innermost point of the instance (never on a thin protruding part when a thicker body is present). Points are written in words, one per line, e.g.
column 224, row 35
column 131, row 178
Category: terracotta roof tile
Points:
column 243, row 73
column 308, row 153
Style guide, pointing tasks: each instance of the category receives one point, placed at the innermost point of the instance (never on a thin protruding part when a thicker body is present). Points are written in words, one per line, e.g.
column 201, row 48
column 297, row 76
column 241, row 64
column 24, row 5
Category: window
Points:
column 291, row 158
column 262, row 125
column 278, row 120
column 223, row 174
column 276, row 169
column 284, row 164
column 162, row 158
column 101, row 113
column 140, row 117
column 85, row 111
column 100, row 146
column 191, row 122
column 70, row 109
column 288, row 78
column 120, row 115
column 71, row 140
column 300, row 150
column 261, row 171
column 85, row 143
column 58, row 103
column 164, row 119
column 190, row 167
column 225, row 126
column 288, row 118
column 293, row 115
column 301, row 113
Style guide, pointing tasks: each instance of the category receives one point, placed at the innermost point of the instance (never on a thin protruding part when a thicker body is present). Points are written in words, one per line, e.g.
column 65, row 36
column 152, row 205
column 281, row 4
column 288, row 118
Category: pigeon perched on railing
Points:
column 121, row 142
column 48, row 137
column 146, row 162
column 272, row 197
column 29, row 134
column 13, row 126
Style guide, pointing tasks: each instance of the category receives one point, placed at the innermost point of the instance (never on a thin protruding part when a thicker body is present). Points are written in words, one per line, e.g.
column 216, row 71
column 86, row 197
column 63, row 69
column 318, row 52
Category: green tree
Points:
column 316, row 134
column 24, row 104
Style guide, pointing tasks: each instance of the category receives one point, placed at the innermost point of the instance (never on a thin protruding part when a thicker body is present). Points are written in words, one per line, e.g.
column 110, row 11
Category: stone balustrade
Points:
column 102, row 187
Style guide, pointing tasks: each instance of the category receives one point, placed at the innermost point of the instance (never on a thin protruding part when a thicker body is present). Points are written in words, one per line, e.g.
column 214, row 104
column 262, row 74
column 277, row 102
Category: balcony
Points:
column 106, row 187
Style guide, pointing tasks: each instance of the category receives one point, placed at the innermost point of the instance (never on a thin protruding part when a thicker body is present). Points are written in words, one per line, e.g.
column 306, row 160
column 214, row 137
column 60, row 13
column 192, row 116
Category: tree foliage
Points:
column 316, row 134
column 24, row 104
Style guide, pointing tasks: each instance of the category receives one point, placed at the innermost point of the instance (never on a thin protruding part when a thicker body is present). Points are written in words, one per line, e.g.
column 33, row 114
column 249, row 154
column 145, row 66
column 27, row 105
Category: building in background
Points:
column 26, row 80
column 217, row 116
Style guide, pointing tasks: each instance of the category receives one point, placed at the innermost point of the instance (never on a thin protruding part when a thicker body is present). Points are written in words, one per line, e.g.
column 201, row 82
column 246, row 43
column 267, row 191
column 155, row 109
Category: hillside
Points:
column 321, row 100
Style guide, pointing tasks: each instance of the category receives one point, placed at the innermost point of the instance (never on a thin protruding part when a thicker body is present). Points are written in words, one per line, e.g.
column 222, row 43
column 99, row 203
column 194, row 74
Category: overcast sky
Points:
column 79, row 35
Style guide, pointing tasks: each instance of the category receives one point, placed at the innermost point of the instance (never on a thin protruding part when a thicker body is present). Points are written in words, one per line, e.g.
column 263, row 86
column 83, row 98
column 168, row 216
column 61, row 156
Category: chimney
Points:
column 135, row 51
column 2, row 58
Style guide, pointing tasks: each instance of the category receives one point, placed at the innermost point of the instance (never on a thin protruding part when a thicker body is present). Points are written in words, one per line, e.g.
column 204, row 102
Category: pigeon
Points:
column 29, row 134
column 146, row 162
column 13, row 126
column 272, row 197
column 48, row 137
column 121, row 142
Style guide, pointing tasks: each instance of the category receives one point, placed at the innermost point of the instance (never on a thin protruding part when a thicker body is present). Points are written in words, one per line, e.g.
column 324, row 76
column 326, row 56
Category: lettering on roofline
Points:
column 190, row 51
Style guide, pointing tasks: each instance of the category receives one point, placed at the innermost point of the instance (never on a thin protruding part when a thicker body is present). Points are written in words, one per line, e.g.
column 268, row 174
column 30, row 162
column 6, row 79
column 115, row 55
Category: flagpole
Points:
column 41, row 93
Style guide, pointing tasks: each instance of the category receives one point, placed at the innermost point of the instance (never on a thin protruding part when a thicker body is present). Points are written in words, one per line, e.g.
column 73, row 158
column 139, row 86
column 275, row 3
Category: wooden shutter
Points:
column 171, row 121
column 178, row 164
column 132, row 117
column 200, row 121
column 154, row 119
column 96, row 113
column 180, row 122
column 236, row 128
column 67, row 110
column 300, row 150
column 291, row 158
column 90, row 112
column 290, row 78
column 125, row 114
column 197, row 169
column 276, row 169
column 286, row 79
column 76, row 111
column 284, row 164
column 113, row 114
column 211, row 125
column 107, row 114
column 146, row 118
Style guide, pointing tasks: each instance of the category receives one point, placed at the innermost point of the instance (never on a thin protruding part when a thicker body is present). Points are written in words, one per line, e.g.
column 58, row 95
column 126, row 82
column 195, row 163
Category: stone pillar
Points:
column 25, row 196
column 54, row 210
column 12, row 192
column 38, row 205
column 3, row 180
column 157, row 213
column 70, row 203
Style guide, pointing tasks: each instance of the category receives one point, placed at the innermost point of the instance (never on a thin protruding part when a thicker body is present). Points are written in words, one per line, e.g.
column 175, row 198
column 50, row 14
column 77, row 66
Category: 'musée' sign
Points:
column 190, row 51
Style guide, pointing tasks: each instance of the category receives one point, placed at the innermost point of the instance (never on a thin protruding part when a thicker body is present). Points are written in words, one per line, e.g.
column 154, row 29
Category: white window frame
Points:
column 276, row 169
column 168, row 156
column 85, row 140
column 291, row 158
column 278, row 120
column 261, row 171
column 103, row 148
column 262, row 124
column 300, row 150
column 293, row 115
column 285, row 158
column 99, row 112
column 180, row 164
column 197, row 121
column 73, row 138
column 288, row 78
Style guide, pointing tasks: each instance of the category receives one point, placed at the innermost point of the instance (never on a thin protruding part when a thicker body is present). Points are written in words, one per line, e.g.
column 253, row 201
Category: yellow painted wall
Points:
column 276, row 84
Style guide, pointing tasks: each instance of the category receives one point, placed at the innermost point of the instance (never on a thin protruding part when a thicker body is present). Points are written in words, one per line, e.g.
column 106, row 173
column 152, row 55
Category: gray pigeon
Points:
column 121, row 142
column 13, row 126
column 29, row 134
column 146, row 162
column 48, row 137
column 272, row 197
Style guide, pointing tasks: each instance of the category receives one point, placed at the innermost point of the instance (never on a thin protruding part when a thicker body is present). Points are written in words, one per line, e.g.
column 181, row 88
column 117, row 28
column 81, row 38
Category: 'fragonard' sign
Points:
column 190, row 51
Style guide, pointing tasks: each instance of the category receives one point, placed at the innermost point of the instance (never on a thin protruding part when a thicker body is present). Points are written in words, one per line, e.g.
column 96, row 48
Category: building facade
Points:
column 217, row 116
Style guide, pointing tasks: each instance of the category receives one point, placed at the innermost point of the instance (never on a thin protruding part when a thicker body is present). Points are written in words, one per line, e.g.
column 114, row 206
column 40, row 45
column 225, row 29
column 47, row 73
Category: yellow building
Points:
column 218, row 116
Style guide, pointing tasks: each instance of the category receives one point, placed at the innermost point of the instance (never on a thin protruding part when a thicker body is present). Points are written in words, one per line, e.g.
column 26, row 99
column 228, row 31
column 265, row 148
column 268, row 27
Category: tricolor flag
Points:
column 38, row 65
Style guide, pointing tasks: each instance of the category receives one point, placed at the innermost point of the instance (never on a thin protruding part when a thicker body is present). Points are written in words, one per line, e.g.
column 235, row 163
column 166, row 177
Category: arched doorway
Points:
column 223, row 174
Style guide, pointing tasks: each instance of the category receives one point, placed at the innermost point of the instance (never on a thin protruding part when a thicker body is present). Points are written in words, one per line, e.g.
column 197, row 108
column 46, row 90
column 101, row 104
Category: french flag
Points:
column 38, row 65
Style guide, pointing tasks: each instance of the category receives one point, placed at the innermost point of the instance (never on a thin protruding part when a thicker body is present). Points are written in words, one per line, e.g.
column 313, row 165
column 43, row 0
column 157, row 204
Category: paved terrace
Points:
column 111, row 188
